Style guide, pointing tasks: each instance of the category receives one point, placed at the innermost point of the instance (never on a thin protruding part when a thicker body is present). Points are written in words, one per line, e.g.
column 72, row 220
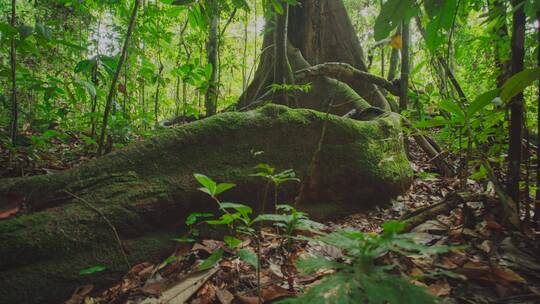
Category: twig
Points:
column 115, row 232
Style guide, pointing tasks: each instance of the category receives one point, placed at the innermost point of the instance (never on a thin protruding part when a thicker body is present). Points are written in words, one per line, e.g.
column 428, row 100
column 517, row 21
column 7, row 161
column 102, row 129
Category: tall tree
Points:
column 516, row 107
column 537, row 202
column 13, row 62
column 282, row 68
column 318, row 32
column 497, row 11
column 112, row 90
column 211, row 96
column 404, row 81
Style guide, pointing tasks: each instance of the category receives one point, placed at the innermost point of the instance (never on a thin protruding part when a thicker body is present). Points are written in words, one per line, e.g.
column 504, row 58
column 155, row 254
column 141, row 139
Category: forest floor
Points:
column 492, row 264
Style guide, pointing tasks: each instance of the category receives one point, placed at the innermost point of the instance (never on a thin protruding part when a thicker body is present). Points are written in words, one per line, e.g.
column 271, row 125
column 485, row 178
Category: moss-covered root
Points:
column 146, row 191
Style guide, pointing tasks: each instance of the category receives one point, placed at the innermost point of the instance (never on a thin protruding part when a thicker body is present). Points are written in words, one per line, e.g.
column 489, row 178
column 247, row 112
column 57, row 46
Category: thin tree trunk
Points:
column 282, row 72
column 496, row 7
column 94, row 100
column 93, row 120
column 212, row 57
column 404, row 83
column 112, row 90
column 156, row 97
column 394, row 60
column 382, row 51
column 537, row 202
column 13, row 61
column 244, row 58
column 516, row 107
column 160, row 71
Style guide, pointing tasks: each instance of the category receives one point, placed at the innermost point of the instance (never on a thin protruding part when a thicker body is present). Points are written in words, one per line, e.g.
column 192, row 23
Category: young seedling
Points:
column 360, row 279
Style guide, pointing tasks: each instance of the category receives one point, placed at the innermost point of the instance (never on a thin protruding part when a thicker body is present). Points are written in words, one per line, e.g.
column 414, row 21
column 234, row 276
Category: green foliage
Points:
column 210, row 187
column 441, row 17
column 92, row 270
column 362, row 279
column 277, row 178
column 393, row 12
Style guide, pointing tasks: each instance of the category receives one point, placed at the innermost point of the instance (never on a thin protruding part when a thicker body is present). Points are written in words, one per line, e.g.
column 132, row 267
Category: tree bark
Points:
column 211, row 96
column 13, row 62
column 537, row 202
column 516, row 108
column 404, row 81
column 319, row 31
column 147, row 190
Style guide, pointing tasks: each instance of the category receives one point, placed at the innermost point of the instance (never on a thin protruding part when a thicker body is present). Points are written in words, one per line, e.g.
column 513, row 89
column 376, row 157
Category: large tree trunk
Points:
column 146, row 190
column 319, row 31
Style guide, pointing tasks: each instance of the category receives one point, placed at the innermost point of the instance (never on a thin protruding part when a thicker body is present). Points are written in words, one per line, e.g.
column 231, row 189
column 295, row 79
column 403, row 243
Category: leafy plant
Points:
column 269, row 173
column 290, row 220
column 360, row 278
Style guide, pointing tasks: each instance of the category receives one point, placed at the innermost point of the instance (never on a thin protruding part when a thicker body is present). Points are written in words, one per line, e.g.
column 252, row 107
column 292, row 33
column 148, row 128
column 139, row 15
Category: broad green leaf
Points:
column 437, row 121
column 208, row 184
column 92, row 270
column 88, row 86
column 224, row 187
column 7, row 29
column 482, row 101
column 85, row 65
column 453, row 108
column 243, row 209
column 249, row 257
column 311, row 265
column 42, row 31
column 184, row 240
column 393, row 227
column 441, row 14
column 531, row 7
column 517, row 83
column 231, row 241
column 225, row 219
column 208, row 71
column 170, row 259
column 211, row 260
column 192, row 218
column 393, row 12
column 25, row 31
column 278, row 8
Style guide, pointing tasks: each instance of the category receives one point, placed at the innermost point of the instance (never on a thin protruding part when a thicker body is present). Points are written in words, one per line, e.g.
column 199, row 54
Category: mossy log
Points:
column 147, row 189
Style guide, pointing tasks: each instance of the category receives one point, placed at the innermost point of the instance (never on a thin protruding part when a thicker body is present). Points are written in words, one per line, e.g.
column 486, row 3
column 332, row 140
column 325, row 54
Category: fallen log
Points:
column 146, row 190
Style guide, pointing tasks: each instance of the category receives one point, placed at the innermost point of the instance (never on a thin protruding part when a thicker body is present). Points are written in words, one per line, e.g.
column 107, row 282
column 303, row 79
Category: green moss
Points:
column 149, row 187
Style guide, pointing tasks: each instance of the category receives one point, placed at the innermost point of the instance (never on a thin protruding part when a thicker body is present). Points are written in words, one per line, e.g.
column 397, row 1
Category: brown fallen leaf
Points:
column 246, row 299
column 79, row 294
column 154, row 288
column 12, row 207
column 183, row 290
column 441, row 288
column 135, row 270
column 224, row 296
column 447, row 263
column 274, row 292
column 508, row 275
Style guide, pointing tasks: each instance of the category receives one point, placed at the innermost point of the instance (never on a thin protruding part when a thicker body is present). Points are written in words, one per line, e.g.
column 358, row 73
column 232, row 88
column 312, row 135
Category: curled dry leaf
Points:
column 441, row 288
column 508, row 275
